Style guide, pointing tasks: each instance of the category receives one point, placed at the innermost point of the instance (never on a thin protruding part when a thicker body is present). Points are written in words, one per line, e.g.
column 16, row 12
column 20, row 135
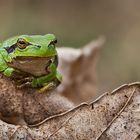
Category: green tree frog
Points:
column 31, row 60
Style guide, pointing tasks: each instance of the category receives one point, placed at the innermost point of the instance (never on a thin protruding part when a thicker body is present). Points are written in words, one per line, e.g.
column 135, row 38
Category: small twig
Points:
column 57, row 115
column 63, row 124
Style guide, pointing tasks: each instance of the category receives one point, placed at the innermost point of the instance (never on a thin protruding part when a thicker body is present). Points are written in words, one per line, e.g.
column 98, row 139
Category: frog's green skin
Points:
column 35, row 55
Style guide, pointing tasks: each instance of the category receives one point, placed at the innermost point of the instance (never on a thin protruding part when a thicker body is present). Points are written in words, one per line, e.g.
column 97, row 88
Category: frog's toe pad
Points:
column 47, row 87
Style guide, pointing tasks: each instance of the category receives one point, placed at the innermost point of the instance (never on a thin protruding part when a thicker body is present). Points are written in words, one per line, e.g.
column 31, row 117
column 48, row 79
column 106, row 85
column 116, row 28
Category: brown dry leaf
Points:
column 113, row 116
column 78, row 67
column 21, row 106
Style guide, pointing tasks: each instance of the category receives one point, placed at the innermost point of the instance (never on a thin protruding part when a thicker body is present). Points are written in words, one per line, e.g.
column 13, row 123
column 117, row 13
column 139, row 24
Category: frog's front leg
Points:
column 7, row 71
column 20, row 78
column 14, row 74
column 4, row 60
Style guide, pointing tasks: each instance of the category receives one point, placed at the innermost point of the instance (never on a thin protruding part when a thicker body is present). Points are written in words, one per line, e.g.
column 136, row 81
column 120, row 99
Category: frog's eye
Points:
column 55, row 41
column 52, row 43
column 22, row 43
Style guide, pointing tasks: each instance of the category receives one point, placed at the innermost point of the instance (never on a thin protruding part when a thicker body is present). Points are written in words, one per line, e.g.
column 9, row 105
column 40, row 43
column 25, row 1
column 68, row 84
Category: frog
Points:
column 31, row 61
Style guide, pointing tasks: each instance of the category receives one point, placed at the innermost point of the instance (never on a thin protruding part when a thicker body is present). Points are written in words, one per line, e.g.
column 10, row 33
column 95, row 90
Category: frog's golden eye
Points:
column 22, row 43
column 52, row 43
column 55, row 41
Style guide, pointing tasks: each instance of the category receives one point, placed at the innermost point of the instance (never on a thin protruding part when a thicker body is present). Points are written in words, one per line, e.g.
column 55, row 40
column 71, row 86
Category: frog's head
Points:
column 35, row 51
column 35, row 45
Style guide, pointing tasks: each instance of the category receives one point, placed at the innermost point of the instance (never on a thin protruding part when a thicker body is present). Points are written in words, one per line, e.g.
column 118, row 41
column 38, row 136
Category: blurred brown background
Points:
column 75, row 23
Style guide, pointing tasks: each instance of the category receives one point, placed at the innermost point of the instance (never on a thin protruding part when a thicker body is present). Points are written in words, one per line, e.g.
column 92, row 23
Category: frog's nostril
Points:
column 55, row 41
column 38, row 46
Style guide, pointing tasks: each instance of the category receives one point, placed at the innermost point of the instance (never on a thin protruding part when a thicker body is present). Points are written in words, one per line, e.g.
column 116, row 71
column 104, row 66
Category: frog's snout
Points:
column 38, row 46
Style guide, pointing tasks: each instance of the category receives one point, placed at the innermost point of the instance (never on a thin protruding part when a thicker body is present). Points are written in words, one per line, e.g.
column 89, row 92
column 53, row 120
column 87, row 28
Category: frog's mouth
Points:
column 34, row 65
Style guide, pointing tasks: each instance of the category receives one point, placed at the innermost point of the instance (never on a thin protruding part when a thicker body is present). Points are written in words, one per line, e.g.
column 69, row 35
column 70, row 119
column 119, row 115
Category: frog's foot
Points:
column 26, row 79
column 48, row 87
column 25, row 82
column 18, row 75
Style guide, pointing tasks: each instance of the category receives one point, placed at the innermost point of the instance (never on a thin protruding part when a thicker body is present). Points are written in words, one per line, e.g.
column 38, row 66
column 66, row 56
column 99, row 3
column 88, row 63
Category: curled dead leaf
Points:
column 78, row 67
column 113, row 116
